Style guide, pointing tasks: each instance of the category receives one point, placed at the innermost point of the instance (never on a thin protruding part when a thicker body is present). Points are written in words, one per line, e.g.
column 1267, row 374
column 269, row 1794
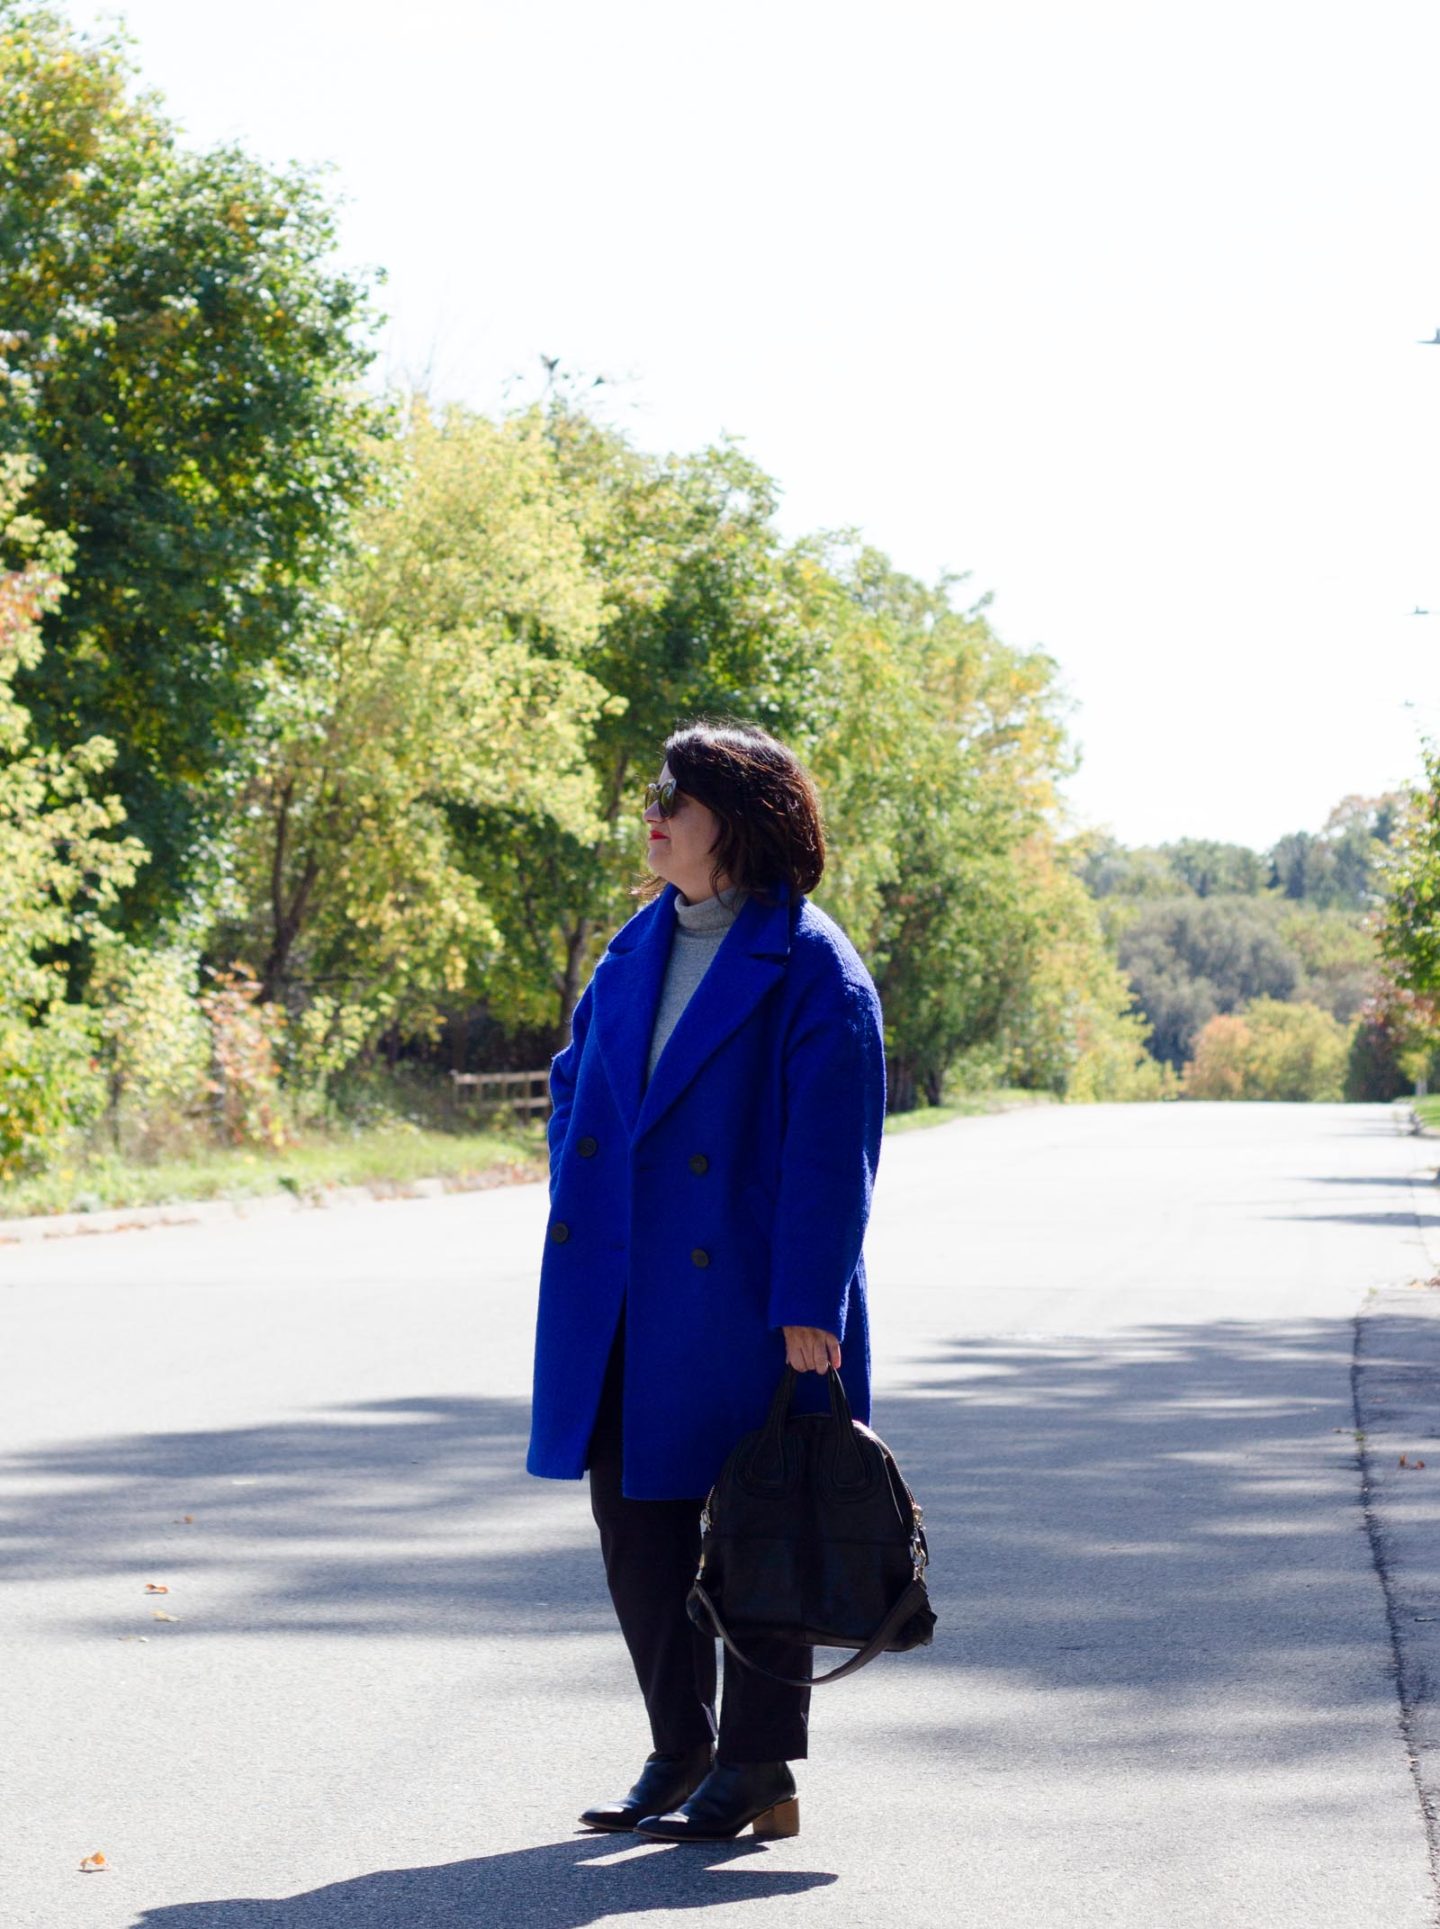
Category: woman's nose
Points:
column 651, row 814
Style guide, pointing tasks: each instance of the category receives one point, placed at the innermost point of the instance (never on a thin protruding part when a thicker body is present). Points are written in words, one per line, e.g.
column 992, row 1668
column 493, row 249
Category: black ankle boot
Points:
column 665, row 1781
column 732, row 1795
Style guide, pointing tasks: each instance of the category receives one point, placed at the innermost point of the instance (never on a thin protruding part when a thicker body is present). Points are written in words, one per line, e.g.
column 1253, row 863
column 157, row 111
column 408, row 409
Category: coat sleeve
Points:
column 834, row 1091
column 564, row 1070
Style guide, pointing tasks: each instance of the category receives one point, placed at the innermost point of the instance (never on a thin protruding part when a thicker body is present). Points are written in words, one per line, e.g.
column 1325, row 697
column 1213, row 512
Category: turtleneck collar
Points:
column 710, row 914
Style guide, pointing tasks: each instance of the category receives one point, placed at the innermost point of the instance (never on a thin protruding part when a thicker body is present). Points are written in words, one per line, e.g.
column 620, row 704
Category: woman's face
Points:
column 678, row 847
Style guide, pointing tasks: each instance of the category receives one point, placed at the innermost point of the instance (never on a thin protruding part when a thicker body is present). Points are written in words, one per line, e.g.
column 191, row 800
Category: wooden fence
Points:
column 525, row 1093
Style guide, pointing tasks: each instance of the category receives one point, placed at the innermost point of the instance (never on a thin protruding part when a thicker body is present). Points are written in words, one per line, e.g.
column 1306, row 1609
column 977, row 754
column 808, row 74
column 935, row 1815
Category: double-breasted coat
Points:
column 724, row 1200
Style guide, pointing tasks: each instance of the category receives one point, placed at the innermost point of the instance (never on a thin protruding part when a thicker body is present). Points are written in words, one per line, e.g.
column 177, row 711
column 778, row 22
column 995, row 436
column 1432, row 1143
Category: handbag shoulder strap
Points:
column 913, row 1598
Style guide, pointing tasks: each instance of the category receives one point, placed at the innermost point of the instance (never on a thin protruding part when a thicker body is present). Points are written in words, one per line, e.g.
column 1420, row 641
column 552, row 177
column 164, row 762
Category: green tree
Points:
column 447, row 683
column 1109, row 868
column 1212, row 869
column 937, row 751
column 1409, row 931
column 184, row 364
column 1070, row 1025
column 1335, row 951
column 705, row 611
column 1337, row 868
column 1299, row 1051
column 59, row 864
column 1407, row 1004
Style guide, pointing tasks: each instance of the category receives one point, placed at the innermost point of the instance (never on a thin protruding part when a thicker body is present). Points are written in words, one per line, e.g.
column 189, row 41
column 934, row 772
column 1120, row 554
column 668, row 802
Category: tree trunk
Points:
column 576, row 941
column 285, row 919
column 901, row 1086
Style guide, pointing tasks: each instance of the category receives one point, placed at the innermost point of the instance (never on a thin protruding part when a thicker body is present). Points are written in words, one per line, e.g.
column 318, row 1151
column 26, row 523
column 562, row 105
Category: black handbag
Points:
column 811, row 1534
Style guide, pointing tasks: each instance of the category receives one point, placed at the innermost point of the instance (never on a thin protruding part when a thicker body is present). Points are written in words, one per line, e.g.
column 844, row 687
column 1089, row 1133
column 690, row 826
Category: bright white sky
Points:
column 1114, row 306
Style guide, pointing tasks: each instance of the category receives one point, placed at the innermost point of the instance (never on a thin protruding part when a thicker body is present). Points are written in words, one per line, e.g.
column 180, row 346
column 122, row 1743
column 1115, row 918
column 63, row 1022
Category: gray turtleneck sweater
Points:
column 699, row 929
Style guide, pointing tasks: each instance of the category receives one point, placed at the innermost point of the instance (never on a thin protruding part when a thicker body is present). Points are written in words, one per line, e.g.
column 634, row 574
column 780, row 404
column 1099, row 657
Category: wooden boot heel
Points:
column 782, row 1820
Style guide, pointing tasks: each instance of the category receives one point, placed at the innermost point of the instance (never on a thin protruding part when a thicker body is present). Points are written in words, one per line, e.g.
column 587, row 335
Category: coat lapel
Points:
column 751, row 959
column 628, row 980
column 626, row 989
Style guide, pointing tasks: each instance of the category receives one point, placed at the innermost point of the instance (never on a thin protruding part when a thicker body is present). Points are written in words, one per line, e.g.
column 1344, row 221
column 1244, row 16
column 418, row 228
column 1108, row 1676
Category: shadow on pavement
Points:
column 1158, row 1511
column 1403, row 1220
column 1352, row 1180
column 563, row 1885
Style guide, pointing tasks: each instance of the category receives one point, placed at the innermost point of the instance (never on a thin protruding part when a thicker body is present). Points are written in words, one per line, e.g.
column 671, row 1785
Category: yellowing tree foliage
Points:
column 448, row 679
column 1272, row 1050
column 59, row 864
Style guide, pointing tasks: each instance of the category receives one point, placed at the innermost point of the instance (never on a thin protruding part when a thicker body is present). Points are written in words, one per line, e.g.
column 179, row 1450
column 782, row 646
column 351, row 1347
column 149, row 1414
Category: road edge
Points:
column 1395, row 1398
column 193, row 1212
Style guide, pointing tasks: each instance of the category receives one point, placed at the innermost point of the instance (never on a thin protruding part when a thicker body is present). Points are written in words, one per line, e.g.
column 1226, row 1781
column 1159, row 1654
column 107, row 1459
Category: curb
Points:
column 200, row 1212
column 1395, row 1391
column 1395, row 1382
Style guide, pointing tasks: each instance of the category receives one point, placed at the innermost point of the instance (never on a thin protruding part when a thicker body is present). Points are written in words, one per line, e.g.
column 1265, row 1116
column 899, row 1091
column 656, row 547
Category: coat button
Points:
column 699, row 1257
column 587, row 1148
column 559, row 1232
column 698, row 1162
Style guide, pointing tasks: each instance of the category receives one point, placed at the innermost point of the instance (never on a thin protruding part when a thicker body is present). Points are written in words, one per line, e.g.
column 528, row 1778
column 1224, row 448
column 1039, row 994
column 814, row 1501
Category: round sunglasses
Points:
column 664, row 795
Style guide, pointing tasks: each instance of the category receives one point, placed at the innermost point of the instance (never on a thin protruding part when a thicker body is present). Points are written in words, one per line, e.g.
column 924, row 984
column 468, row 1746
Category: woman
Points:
column 713, row 1141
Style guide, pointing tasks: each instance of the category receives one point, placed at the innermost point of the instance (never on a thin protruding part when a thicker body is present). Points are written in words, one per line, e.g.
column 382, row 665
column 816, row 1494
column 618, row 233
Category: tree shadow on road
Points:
column 562, row 1885
column 1097, row 1509
column 1353, row 1180
column 1402, row 1218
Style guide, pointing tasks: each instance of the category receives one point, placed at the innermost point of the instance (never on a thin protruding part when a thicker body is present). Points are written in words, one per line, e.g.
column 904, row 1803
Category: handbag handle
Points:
column 912, row 1599
column 848, row 1466
column 847, row 1447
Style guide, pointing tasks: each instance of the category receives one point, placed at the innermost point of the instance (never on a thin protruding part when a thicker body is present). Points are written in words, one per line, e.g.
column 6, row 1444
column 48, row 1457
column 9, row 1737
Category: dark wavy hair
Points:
column 770, row 825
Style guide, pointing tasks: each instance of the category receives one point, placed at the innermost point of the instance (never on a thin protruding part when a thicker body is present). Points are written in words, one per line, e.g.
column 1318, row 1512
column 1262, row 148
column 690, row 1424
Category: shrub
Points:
column 245, row 1079
column 1373, row 1069
column 51, row 1085
column 1273, row 1050
column 1222, row 1050
column 154, row 1041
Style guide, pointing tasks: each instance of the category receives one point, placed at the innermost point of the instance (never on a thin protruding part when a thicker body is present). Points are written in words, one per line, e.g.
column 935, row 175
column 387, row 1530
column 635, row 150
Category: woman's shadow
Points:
column 563, row 1885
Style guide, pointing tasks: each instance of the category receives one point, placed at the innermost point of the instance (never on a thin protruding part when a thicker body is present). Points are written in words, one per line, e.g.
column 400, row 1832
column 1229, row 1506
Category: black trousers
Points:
column 651, row 1549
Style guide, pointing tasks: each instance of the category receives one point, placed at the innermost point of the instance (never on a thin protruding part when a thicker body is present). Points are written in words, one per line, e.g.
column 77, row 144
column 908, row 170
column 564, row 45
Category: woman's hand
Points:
column 810, row 1349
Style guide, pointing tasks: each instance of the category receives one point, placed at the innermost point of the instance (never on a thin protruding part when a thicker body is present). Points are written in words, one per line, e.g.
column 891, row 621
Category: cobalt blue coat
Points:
column 725, row 1200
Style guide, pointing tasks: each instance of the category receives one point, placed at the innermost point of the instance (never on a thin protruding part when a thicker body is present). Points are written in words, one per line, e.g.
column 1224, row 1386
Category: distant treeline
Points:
column 1217, row 940
column 1337, row 868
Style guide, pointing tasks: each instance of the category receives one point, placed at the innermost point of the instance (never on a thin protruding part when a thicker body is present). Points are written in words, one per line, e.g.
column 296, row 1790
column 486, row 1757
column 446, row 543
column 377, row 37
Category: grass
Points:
column 387, row 1155
column 379, row 1156
column 970, row 1105
column 1429, row 1110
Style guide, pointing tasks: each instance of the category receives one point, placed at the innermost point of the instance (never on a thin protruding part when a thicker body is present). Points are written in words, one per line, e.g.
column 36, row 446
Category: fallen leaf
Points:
column 161, row 1615
column 93, row 1862
column 156, row 1587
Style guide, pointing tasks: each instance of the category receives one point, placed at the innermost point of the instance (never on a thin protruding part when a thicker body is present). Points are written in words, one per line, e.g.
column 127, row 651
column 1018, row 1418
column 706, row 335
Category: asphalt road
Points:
column 1183, row 1677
